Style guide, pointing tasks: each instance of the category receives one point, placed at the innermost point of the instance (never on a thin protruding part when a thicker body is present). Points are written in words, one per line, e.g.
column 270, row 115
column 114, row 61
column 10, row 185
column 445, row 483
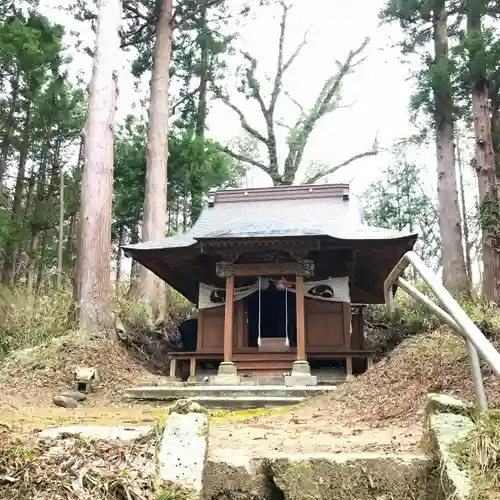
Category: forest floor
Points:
column 381, row 410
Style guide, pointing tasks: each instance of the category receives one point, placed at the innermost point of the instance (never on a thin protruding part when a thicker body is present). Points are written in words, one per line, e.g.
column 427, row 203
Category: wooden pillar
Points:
column 228, row 319
column 301, row 320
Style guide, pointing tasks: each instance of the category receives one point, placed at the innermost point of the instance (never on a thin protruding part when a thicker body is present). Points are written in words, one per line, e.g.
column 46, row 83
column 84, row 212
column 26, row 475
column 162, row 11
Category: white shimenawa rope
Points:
column 287, row 341
column 260, row 313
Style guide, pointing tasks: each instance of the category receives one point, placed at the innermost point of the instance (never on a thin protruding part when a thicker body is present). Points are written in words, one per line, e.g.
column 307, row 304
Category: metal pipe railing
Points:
column 475, row 367
column 450, row 313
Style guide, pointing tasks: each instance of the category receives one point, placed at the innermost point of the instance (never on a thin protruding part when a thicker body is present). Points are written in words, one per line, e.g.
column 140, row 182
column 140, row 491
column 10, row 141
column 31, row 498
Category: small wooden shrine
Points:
column 298, row 262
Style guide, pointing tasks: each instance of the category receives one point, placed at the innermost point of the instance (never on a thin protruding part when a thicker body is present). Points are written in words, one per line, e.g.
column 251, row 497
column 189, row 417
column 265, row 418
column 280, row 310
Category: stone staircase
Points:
column 229, row 397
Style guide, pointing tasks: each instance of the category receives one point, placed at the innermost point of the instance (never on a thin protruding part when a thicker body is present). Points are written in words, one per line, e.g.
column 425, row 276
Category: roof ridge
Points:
column 278, row 193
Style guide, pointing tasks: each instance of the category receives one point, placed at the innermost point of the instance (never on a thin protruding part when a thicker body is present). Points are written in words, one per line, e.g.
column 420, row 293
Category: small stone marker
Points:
column 65, row 402
column 183, row 450
column 86, row 378
column 76, row 395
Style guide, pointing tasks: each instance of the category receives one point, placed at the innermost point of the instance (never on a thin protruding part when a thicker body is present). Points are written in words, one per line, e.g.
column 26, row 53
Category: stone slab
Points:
column 225, row 379
column 444, row 430
column 167, row 393
column 350, row 476
column 444, row 403
column 300, row 380
column 97, row 432
column 325, row 377
column 182, row 454
column 239, row 402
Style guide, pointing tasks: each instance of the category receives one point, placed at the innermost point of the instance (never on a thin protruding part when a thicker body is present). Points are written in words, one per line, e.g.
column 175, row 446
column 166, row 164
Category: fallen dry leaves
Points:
column 73, row 468
column 393, row 392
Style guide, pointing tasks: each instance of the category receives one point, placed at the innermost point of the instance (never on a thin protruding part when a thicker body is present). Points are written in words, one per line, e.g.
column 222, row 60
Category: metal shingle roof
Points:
column 332, row 217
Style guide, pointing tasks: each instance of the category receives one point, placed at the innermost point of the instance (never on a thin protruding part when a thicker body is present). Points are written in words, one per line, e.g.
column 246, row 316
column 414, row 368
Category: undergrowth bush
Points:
column 412, row 318
column 134, row 315
column 479, row 455
column 27, row 320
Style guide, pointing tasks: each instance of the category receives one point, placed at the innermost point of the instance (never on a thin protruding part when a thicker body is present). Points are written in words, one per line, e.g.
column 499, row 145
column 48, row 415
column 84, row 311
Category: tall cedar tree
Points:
column 422, row 21
column 484, row 152
column 152, row 288
column 94, row 249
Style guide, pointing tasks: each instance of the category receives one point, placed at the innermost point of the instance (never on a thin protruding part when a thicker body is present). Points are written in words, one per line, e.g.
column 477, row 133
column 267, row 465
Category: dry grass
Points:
column 479, row 455
column 29, row 320
column 396, row 388
column 73, row 468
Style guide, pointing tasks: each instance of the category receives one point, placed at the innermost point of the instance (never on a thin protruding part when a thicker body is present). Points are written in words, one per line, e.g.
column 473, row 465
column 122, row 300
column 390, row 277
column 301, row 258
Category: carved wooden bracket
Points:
column 305, row 268
column 300, row 254
column 224, row 269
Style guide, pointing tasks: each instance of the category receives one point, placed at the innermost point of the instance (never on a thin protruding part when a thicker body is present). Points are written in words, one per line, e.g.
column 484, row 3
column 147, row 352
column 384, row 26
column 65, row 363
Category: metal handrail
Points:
column 450, row 313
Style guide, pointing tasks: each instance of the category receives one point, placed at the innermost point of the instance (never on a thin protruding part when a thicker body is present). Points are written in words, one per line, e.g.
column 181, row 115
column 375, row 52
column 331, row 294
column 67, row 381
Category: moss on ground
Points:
column 176, row 493
column 250, row 413
column 27, row 418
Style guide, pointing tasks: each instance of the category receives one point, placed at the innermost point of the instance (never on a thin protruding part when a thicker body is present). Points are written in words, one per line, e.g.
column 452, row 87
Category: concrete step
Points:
column 170, row 393
column 246, row 402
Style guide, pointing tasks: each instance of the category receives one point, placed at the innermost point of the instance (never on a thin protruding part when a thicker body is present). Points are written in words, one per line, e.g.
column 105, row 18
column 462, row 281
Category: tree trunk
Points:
column 30, row 278
column 74, row 244
column 201, row 112
column 485, row 159
column 7, row 136
column 134, row 268
column 41, row 262
column 11, row 248
column 495, row 131
column 60, row 240
column 152, row 289
column 121, row 238
column 94, row 249
column 454, row 271
column 196, row 205
column 467, row 242
column 70, row 245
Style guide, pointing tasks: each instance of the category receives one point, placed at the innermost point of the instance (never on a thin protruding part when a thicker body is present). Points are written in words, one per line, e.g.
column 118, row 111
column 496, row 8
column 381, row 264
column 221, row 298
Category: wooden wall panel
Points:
column 211, row 327
column 325, row 325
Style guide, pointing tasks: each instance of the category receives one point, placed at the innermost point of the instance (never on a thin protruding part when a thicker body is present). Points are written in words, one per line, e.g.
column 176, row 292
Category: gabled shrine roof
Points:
column 325, row 211
column 286, row 211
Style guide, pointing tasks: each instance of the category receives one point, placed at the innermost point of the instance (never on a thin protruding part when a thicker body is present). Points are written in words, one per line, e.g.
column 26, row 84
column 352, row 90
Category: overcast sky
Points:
column 378, row 92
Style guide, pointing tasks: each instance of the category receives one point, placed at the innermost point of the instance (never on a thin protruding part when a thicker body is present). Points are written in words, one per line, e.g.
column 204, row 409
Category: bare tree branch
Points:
column 253, row 83
column 255, row 92
column 297, row 103
column 327, row 101
column 243, row 121
column 243, row 158
column 281, row 65
column 323, row 173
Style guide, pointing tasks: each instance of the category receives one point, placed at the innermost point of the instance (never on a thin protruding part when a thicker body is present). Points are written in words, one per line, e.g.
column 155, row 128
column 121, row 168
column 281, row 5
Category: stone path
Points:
column 259, row 438
column 96, row 432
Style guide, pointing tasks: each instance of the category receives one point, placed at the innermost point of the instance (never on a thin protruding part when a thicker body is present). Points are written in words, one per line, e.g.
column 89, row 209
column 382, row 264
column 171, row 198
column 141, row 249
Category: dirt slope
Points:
column 33, row 376
column 394, row 390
